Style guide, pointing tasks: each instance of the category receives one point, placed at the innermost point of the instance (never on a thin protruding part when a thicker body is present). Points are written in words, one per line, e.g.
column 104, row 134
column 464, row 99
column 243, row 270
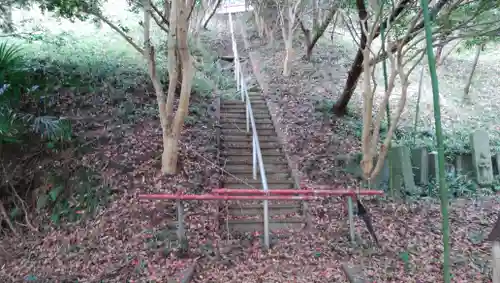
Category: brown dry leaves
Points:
column 113, row 246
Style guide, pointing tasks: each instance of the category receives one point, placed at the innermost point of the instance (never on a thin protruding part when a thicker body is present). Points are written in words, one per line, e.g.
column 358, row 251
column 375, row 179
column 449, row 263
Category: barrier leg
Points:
column 350, row 212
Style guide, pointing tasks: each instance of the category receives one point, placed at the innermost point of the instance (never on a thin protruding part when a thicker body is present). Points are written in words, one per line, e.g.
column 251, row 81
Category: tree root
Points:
column 6, row 218
column 188, row 274
column 23, row 204
column 352, row 275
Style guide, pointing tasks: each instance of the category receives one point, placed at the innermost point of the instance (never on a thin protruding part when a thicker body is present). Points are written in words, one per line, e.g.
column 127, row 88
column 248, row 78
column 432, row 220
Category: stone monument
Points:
column 481, row 157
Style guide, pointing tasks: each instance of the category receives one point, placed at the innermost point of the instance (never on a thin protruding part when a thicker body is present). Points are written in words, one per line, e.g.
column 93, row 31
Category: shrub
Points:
column 13, row 86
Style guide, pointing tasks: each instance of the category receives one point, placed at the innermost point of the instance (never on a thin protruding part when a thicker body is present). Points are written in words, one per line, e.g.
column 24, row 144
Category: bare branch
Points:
column 160, row 14
column 121, row 32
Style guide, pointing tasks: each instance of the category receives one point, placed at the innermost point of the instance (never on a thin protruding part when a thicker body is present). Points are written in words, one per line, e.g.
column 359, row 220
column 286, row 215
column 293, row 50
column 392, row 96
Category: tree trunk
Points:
column 166, row 8
column 439, row 52
column 288, row 55
column 444, row 56
column 179, row 73
column 417, row 110
column 170, row 153
column 8, row 18
column 471, row 75
column 309, row 51
column 169, row 156
column 307, row 37
column 169, row 165
column 334, row 25
column 496, row 262
column 165, row 104
column 212, row 14
column 317, row 32
column 340, row 107
column 259, row 23
column 270, row 35
column 315, row 15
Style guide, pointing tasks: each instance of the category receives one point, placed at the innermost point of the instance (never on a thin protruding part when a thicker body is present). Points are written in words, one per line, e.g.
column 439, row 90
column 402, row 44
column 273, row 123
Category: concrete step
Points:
column 242, row 160
column 270, row 168
column 233, row 152
column 241, row 110
column 258, row 210
column 243, row 119
column 247, row 174
column 284, row 184
column 252, row 225
column 235, row 110
column 248, row 139
column 253, row 100
column 255, row 106
column 257, row 100
column 248, row 145
column 243, row 126
column 243, row 115
column 243, row 178
column 231, row 107
column 243, row 132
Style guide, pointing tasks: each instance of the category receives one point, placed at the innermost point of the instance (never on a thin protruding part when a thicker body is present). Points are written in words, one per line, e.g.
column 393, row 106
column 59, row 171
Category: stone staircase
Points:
column 236, row 156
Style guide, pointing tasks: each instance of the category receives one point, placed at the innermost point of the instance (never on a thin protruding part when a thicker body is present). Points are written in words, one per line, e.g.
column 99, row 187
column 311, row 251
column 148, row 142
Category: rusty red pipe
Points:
column 225, row 197
column 300, row 192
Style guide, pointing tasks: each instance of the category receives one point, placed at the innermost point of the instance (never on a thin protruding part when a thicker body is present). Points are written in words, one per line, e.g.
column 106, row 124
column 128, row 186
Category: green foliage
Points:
column 73, row 9
column 405, row 257
column 10, row 59
column 16, row 87
column 163, row 240
column 73, row 198
column 324, row 107
column 455, row 141
column 209, row 76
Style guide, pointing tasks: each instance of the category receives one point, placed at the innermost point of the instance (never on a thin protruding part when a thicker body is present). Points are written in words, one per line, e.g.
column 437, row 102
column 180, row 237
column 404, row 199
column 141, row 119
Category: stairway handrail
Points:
column 257, row 159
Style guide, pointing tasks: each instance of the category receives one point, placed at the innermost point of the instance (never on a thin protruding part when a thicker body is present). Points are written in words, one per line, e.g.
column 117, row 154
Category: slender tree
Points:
column 439, row 139
column 387, row 107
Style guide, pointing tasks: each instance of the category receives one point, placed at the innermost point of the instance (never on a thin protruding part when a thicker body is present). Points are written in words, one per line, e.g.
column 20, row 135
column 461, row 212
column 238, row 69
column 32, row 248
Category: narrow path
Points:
column 237, row 156
column 236, row 145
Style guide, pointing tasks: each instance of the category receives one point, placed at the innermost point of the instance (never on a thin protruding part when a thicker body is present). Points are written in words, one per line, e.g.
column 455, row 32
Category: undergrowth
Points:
column 456, row 140
column 48, row 83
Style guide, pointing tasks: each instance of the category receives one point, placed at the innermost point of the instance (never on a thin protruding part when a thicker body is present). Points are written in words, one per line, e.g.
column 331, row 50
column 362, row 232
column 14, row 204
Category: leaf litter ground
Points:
column 409, row 232
column 113, row 247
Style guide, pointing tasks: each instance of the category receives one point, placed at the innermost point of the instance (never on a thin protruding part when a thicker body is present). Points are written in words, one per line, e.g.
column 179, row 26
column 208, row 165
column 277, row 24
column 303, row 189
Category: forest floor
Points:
column 410, row 230
column 125, row 242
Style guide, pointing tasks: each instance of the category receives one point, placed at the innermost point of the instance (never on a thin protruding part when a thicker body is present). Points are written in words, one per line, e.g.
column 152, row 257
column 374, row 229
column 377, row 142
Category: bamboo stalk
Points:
column 439, row 138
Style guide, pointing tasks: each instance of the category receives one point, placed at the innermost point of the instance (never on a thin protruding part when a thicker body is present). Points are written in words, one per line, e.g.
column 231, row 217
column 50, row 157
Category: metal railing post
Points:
column 254, row 157
column 240, row 83
column 350, row 212
column 248, row 116
column 235, row 53
column 266, row 189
